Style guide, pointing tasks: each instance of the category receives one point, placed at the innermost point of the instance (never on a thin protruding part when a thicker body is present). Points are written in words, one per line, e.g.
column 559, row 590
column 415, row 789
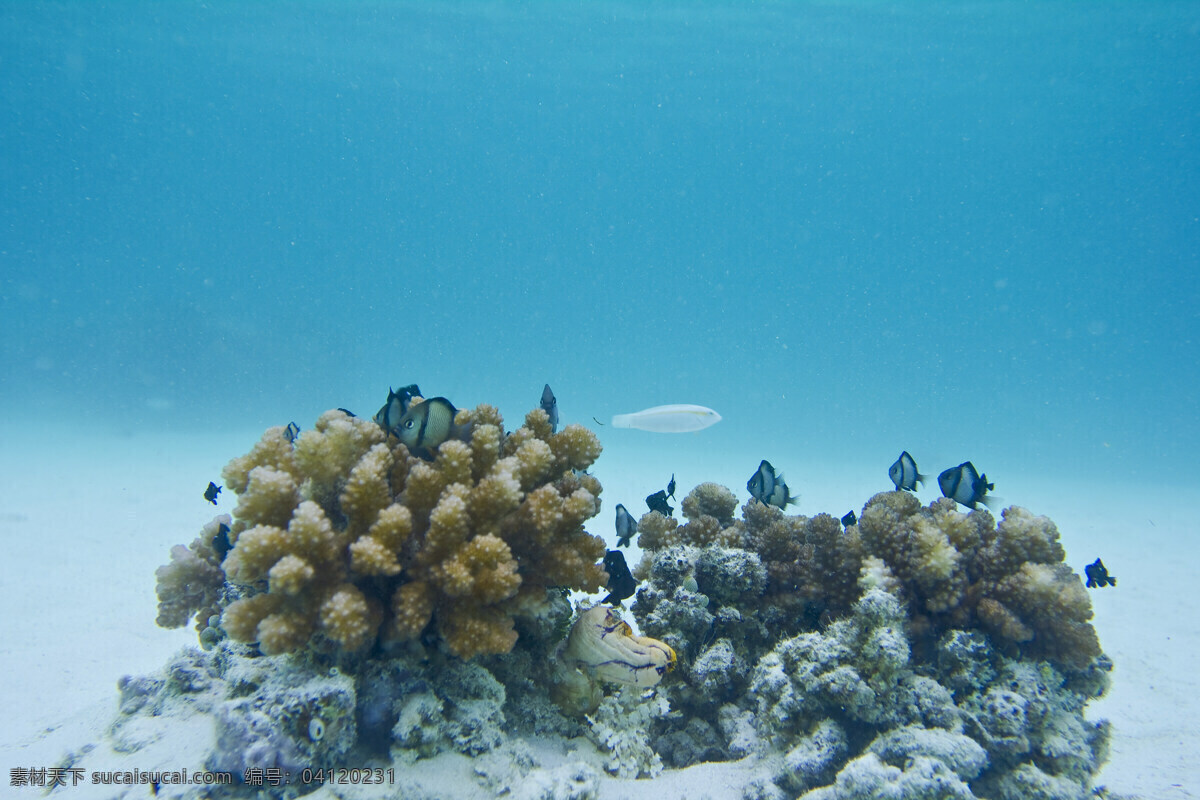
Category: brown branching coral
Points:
column 657, row 531
column 191, row 583
column 812, row 566
column 709, row 511
column 711, row 500
column 963, row 570
column 953, row 570
column 347, row 535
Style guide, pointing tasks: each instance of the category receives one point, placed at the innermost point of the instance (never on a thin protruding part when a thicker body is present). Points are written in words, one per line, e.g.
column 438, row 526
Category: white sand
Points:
column 86, row 519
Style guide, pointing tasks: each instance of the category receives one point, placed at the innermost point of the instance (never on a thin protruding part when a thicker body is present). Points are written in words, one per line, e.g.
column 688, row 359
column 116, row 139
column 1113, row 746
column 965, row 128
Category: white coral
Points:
column 621, row 725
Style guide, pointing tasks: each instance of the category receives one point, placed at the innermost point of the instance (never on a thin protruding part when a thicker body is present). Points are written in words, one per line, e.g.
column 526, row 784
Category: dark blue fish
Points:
column 291, row 432
column 626, row 526
column 671, row 487
column 850, row 520
column 621, row 583
column 904, row 473
column 396, row 407
column 1097, row 575
column 210, row 494
column 963, row 484
column 550, row 406
column 658, row 502
column 766, row 486
column 220, row 541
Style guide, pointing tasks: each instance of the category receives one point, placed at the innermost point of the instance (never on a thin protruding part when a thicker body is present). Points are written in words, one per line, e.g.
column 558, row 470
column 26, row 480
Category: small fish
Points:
column 210, row 494
column 598, row 422
column 621, row 583
column 291, row 432
column 671, row 487
column 850, row 520
column 395, row 408
column 348, row 412
column 1097, row 575
column 768, row 487
column 220, row 541
column 426, row 425
column 658, row 502
column 904, row 473
column 550, row 406
column 626, row 526
column 668, row 419
column 963, row 484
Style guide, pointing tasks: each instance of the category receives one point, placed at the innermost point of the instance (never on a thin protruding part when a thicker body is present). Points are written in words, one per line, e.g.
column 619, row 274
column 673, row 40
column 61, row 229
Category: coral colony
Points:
column 366, row 607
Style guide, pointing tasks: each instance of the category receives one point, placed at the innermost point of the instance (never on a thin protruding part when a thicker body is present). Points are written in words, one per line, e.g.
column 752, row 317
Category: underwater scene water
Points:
column 965, row 230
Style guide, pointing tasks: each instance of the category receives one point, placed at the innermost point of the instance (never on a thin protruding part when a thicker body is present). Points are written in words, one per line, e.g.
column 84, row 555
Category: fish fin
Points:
column 992, row 501
column 461, row 432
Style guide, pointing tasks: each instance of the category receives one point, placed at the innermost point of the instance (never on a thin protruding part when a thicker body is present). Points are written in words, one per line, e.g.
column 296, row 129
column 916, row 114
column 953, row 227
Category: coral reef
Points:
column 922, row 652
column 964, row 571
column 621, row 726
column 314, row 709
column 921, row 778
column 853, row 702
column 267, row 714
column 344, row 538
column 900, row 654
column 857, row 673
column 955, row 570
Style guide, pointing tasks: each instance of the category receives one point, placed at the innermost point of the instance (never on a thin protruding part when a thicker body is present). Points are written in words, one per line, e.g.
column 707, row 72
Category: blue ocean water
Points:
column 964, row 229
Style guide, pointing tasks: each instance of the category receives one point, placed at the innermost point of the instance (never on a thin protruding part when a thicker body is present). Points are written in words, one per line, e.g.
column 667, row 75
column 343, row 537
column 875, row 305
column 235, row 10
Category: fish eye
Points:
column 409, row 424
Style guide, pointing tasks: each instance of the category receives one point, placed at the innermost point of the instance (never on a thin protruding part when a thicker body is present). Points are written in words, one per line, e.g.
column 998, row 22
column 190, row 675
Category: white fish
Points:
column 668, row 419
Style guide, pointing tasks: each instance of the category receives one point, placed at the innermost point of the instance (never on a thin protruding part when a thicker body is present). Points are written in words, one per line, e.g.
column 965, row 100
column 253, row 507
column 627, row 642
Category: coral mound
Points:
column 922, row 652
column 954, row 570
column 343, row 537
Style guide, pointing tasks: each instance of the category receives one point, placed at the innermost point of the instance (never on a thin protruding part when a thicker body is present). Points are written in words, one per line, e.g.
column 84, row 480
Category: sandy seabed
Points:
column 87, row 518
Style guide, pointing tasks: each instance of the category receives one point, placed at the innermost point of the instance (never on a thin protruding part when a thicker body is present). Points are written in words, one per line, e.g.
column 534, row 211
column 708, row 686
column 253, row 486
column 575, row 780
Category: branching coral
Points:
column 192, row 582
column 710, row 499
column 858, row 687
column 657, row 531
column 955, row 570
column 963, row 571
column 709, row 511
column 621, row 727
column 347, row 535
column 812, row 566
